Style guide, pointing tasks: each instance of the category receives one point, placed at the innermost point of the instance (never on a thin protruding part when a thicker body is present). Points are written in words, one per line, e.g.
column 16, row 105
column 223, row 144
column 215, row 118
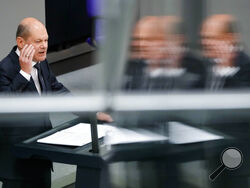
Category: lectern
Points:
column 91, row 165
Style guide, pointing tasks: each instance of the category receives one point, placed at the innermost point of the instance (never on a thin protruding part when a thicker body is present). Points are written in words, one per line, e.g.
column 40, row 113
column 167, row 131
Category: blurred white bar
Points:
column 185, row 101
column 88, row 103
column 126, row 102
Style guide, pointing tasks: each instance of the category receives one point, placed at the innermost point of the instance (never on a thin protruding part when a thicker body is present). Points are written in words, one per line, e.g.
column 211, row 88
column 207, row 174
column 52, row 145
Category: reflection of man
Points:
column 26, row 70
column 160, row 61
column 230, row 66
column 158, row 48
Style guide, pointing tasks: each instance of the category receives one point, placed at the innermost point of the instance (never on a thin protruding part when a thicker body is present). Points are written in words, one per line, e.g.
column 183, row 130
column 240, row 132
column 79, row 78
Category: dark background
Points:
column 67, row 22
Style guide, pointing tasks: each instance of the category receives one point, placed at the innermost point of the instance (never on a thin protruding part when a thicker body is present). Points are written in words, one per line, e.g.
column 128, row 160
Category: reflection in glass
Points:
column 227, row 63
column 159, row 58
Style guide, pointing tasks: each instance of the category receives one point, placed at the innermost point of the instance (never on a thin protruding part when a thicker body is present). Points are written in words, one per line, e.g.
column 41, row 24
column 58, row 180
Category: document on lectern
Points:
column 127, row 136
column 80, row 135
column 77, row 135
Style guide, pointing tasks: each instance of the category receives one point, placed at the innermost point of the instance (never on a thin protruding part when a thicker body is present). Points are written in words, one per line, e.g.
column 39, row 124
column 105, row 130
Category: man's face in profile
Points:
column 218, row 43
column 39, row 39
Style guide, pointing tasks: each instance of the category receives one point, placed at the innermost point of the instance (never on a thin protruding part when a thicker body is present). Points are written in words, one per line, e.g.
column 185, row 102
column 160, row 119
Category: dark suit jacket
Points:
column 235, row 127
column 136, row 78
column 19, row 127
column 11, row 81
column 240, row 80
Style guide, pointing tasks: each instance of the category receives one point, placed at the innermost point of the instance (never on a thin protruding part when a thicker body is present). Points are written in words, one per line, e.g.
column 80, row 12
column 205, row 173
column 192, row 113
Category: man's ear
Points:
column 20, row 42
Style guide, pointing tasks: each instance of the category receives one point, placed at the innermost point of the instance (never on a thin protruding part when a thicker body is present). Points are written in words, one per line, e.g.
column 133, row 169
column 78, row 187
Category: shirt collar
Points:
column 18, row 53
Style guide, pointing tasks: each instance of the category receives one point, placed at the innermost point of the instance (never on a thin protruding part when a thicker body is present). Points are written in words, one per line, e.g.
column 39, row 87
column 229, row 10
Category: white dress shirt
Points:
column 34, row 74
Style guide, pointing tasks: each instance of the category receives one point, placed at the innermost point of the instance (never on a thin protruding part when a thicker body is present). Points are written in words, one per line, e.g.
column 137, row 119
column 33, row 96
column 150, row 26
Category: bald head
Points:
column 157, row 38
column 220, row 24
column 148, row 35
column 149, row 27
column 25, row 27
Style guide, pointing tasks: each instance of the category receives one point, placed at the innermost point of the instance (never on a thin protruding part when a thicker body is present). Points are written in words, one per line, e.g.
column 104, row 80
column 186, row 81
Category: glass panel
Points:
column 174, row 77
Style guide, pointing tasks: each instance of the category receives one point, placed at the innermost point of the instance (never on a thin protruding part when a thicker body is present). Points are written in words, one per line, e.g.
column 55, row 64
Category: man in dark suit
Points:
column 228, row 68
column 161, row 62
column 228, row 65
column 26, row 71
column 18, row 71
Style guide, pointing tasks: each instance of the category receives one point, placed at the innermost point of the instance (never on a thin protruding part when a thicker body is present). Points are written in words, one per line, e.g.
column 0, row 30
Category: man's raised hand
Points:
column 26, row 57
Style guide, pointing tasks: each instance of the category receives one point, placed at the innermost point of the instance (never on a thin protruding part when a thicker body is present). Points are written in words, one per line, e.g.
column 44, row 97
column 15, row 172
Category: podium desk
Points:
column 92, row 167
column 89, row 165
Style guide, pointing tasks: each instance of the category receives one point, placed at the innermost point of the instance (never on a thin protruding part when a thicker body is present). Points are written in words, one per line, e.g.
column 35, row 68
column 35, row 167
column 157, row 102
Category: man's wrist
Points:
column 25, row 75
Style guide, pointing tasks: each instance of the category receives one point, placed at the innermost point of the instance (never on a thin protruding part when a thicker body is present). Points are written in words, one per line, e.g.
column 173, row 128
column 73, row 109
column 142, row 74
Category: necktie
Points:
column 41, row 81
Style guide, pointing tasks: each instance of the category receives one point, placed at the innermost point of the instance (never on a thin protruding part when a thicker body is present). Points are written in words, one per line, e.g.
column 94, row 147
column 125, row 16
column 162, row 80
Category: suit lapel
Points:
column 15, row 59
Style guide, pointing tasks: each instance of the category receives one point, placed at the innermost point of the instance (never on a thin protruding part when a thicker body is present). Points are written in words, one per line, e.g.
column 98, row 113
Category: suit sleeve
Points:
column 10, row 84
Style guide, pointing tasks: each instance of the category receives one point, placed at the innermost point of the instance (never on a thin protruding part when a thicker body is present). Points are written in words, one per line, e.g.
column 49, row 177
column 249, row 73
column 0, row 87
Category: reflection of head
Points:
column 158, row 39
column 220, row 37
column 32, row 31
column 148, row 37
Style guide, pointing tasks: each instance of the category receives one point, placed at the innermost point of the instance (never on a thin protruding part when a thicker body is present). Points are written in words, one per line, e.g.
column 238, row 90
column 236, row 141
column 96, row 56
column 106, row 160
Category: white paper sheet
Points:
column 180, row 133
column 80, row 135
column 77, row 135
column 125, row 136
